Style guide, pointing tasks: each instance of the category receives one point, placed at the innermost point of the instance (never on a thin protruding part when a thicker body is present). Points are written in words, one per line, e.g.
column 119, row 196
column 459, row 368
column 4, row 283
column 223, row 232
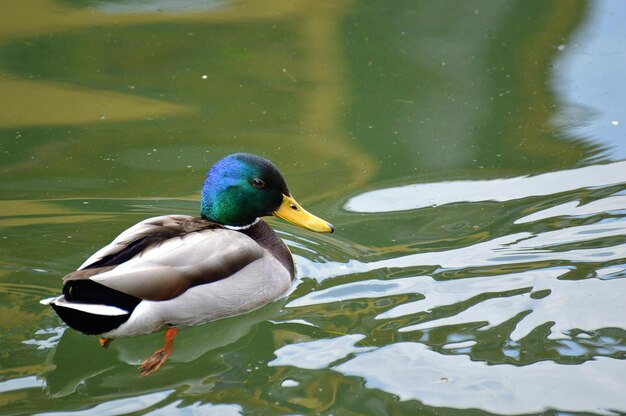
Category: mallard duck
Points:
column 178, row 270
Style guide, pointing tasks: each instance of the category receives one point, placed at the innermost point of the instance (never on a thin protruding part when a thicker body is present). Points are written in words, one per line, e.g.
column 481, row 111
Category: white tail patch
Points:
column 91, row 308
column 47, row 301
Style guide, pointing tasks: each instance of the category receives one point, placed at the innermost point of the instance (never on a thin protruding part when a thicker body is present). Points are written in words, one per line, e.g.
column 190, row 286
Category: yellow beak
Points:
column 292, row 212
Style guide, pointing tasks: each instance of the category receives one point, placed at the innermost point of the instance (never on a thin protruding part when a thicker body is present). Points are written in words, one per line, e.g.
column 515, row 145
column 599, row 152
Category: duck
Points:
column 176, row 271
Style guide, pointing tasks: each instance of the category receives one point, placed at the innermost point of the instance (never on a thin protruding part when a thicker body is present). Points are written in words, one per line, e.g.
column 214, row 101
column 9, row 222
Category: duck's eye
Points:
column 258, row 183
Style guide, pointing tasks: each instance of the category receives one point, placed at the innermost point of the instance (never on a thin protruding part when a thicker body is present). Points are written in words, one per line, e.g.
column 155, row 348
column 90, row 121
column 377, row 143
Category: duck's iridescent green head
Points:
column 242, row 187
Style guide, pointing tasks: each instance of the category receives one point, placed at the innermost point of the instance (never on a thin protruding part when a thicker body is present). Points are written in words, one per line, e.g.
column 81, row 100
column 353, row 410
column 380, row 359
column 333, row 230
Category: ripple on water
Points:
column 529, row 317
column 408, row 197
column 522, row 315
column 412, row 371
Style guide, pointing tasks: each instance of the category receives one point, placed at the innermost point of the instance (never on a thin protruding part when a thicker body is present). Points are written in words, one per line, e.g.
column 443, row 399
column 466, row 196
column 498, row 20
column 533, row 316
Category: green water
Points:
column 472, row 156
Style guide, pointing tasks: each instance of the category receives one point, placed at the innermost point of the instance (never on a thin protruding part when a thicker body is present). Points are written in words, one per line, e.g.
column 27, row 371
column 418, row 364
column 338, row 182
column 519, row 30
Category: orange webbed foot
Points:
column 153, row 363
column 104, row 342
column 156, row 360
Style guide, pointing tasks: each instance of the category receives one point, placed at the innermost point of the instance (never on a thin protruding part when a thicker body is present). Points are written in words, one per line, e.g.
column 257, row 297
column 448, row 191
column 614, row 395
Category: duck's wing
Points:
column 142, row 235
column 169, row 269
column 165, row 269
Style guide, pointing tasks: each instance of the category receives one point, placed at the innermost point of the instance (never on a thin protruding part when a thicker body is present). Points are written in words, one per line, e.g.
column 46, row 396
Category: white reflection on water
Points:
column 118, row 406
column 569, row 276
column 319, row 353
column 613, row 204
column 198, row 408
column 412, row 371
column 518, row 248
column 409, row 197
column 52, row 340
column 612, row 272
column 571, row 304
column 588, row 76
column 20, row 384
column 582, row 304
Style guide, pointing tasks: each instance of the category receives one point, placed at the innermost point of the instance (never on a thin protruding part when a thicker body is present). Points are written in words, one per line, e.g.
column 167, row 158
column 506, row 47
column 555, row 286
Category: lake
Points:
column 471, row 155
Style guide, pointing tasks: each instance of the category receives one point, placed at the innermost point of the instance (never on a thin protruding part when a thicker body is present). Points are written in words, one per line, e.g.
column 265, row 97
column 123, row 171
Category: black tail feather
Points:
column 88, row 291
column 89, row 323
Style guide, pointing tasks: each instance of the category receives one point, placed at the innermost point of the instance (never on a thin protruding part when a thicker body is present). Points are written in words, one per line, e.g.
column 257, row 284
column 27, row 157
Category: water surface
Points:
column 471, row 156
